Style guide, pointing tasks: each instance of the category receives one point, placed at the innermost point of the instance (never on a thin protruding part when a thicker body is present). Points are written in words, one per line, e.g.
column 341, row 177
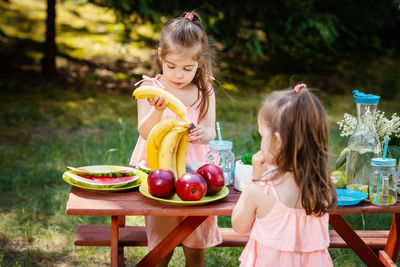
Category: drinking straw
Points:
column 219, row 131
column 380, row 172
column 385, row 147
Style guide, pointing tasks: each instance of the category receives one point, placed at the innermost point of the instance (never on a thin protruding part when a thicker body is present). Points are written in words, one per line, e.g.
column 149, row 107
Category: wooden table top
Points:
column 84, row 202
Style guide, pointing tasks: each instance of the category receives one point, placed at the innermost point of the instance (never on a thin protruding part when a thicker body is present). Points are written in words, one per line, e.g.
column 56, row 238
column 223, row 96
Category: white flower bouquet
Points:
column 383, row 126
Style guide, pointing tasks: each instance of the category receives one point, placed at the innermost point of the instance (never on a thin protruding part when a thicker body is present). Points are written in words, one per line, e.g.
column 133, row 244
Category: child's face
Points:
column 179, row 69
column 269, row 142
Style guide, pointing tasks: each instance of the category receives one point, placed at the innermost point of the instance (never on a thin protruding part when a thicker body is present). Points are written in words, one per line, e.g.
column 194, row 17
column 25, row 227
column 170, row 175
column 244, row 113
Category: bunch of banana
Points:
column 167, row 145
column 174, row 103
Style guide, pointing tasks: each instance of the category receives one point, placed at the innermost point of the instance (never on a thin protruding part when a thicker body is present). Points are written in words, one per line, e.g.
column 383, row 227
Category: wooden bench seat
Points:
column 99, row 235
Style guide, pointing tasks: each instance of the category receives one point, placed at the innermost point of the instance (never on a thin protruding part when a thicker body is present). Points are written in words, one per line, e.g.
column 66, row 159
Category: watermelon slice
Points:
column 100, row 182
column 102, row 170
column 144, row 166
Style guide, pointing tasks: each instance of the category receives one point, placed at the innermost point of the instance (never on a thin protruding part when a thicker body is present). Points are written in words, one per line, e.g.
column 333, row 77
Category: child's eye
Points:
column 187, row 69
column 171, row 67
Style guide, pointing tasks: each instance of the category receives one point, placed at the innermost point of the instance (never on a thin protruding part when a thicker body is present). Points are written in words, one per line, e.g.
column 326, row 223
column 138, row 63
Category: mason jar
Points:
column 383, row 182
column 221, row 155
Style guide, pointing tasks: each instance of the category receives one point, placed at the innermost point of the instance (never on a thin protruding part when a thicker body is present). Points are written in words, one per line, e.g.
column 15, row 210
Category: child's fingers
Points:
column 159, row 100
column 164, row 105
column 152, row 101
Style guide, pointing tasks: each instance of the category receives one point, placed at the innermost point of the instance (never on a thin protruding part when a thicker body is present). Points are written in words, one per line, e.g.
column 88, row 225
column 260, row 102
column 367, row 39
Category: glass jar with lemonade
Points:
column 383, row 182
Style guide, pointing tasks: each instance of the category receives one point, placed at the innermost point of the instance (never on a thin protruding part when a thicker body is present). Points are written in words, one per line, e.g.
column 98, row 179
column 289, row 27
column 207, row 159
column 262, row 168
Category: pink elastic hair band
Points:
column 298, row 87
column 189, row 16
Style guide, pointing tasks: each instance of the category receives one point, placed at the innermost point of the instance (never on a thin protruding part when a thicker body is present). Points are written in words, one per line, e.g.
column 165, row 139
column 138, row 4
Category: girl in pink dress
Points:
column 185, row 60
column 284, row 206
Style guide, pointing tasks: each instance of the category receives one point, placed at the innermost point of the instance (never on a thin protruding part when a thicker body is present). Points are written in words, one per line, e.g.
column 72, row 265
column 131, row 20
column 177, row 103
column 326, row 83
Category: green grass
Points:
column 47, row 125
column 46, row 132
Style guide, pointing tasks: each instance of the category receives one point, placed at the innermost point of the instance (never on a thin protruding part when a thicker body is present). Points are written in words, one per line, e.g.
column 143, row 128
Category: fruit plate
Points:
column 347, row 197
column 141, row 175
column 175, row 200
column 102, row 170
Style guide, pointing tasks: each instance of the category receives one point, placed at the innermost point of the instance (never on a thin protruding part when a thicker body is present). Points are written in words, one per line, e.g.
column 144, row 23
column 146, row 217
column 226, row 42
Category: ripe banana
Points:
column 181, row 155
column 174, row 103
column 168, row 149
column 152, row 151
column 155, row 138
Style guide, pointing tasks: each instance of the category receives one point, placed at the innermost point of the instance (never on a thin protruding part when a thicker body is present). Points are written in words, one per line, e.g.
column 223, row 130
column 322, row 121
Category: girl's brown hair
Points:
column 183, row 33
column 300, row 120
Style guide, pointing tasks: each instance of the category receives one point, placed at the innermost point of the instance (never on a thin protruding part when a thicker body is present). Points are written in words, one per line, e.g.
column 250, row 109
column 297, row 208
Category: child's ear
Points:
column 278, row 139
column 159, row 53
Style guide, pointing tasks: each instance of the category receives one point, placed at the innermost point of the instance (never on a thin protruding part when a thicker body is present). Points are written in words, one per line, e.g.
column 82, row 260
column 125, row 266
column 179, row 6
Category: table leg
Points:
column 393, row 244
column 172, row 240
column 354, row 241
column 117, row 252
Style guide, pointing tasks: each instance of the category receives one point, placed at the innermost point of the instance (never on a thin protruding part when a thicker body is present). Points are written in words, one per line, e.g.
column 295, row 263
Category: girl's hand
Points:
column 200, row 134
column 259, row 165
column 158, row 102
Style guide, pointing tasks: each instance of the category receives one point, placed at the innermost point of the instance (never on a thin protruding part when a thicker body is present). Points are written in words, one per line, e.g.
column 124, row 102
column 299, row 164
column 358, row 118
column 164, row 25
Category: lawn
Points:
column 86, row 117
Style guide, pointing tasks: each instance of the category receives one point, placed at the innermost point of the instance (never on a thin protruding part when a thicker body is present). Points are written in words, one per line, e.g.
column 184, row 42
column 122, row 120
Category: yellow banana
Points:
column 155, row 138
column 174, row 103
column 168, row 149
column 152, row 152
column 181, row 155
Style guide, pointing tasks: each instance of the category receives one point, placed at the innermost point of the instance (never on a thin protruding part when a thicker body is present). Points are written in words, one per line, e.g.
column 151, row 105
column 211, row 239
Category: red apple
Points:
column 161, row 183
column 191, row 186
column 213, row 176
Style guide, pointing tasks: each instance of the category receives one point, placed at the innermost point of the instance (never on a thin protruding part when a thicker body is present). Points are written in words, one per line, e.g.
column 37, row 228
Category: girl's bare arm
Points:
column 205, row 130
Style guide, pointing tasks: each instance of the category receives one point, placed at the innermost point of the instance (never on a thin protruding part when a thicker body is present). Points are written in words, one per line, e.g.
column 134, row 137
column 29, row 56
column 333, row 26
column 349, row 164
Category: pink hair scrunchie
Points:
column 189, row 16
column 298, row 87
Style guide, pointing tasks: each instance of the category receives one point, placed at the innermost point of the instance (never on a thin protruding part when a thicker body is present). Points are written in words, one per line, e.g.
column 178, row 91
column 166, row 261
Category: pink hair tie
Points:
column 189, row 16
column 298, row 87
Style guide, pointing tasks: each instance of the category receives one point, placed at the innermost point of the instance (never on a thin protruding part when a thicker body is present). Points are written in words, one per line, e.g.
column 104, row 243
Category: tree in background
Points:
column 310, row 31
column 50, row 49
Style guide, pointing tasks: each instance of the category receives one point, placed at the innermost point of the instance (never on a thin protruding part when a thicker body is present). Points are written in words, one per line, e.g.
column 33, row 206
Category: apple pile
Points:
column 191, row 186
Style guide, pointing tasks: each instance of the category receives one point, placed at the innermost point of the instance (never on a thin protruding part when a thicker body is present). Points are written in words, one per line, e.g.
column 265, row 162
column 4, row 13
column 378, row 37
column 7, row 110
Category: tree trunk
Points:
column 50, row 49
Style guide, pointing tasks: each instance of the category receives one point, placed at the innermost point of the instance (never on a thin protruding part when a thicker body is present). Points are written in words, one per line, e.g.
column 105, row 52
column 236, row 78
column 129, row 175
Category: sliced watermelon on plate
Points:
column 144, row 166
column 100, row 182
column 102, row 170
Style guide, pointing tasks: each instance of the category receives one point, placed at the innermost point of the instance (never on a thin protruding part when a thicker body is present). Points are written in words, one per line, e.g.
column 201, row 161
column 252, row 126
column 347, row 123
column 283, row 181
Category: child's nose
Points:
column 179, row 75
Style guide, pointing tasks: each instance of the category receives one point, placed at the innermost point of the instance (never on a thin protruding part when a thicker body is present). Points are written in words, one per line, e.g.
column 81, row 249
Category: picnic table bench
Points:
column 374, row 247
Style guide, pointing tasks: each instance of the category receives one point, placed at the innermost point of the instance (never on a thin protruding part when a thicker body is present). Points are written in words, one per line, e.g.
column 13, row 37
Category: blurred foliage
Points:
column 310, row 31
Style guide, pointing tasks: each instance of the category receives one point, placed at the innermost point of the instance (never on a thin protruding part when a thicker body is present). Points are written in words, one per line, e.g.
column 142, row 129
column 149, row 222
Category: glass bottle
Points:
column 221, row 155
column 364, row 143
column 383, row 182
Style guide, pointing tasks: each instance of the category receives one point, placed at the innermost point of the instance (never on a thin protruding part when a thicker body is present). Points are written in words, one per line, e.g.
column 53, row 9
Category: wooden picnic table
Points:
column 131, row 203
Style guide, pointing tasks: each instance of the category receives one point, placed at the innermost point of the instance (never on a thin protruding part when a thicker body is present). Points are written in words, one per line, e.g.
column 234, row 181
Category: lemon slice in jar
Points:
column 358, row 187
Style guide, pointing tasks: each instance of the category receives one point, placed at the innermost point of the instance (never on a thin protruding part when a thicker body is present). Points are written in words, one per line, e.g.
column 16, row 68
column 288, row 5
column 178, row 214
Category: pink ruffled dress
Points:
column 287, row 237
column 157, row 227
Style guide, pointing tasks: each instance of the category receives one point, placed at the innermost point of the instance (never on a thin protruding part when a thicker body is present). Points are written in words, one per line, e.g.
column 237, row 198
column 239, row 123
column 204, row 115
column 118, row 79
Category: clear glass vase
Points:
column 363, row 144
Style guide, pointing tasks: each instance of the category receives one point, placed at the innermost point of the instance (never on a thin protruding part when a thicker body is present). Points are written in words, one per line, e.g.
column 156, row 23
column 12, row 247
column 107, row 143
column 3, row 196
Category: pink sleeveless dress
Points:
column 157, row 227
column 287, row 237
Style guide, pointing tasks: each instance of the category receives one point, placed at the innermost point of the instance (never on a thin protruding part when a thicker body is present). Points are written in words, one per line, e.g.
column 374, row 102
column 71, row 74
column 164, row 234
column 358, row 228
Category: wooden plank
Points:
column 121, row 221
column 114, row 237
column 393, row 243
column 99, row 235
column 373, row 239
column 172, row 240
column 387, row 261
column 84, row 202
column 354, row 241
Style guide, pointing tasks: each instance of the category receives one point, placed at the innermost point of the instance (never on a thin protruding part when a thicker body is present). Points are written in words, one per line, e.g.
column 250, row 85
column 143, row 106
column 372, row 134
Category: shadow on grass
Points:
column 15, row 254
